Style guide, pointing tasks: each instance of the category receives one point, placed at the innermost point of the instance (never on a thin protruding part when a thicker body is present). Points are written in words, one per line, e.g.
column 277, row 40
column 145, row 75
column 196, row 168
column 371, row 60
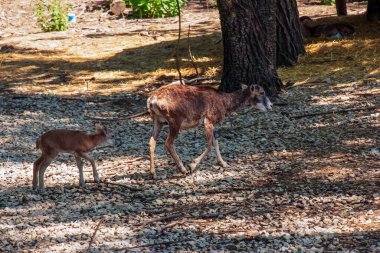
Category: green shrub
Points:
column 155, row 8
column 128, row 3
column 328, row 2
column 52, row 15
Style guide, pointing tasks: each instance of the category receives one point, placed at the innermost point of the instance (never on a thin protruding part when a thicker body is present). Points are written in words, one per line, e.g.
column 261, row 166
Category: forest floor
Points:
column 302, row 178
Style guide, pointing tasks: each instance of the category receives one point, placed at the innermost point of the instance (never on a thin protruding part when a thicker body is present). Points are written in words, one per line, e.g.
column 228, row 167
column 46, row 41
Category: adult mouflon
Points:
column 184, row 107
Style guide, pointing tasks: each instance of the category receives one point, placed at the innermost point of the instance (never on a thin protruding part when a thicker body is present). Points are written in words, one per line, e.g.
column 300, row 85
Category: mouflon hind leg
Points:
column 209, row 130
column 169, row 144
column 152, row 145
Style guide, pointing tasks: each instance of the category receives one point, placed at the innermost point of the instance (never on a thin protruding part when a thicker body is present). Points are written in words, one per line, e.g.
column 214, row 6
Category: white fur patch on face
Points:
column 111, row 142
column 269, row 104
column 261, row 107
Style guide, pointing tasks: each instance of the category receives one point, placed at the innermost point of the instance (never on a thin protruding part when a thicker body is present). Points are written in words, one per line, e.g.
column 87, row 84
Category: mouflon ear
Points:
column 99, row 128
column 244, row 86
column 254, row 88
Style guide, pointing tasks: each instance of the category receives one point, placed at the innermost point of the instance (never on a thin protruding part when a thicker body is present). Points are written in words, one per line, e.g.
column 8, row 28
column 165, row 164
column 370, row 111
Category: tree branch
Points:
column 94, row 234
column 198, row 217
column 119, row 118
column 116, row 184
column 190, row 54
column 158, row 243
column 179, row 38
column 334, row 112
column 169, row 217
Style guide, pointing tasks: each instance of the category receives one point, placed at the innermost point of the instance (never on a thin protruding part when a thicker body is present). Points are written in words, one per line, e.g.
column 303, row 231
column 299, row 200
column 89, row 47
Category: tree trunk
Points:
column 289, row 36
column 250, row 41
column 246, row 56
column 373, row 10
column 341, row 7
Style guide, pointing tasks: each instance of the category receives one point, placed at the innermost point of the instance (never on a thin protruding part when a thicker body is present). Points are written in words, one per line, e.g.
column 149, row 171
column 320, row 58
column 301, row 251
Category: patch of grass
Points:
column 52, row 15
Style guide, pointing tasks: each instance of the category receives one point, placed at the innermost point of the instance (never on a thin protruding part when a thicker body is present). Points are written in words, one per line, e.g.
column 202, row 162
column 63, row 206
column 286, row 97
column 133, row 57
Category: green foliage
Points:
column 52, row 15
column 328, row 2
column 155, row 8
column 127, row 3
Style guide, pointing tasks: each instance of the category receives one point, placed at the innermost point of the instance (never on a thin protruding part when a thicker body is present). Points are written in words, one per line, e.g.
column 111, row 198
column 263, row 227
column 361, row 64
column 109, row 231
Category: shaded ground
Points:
column 295, row 182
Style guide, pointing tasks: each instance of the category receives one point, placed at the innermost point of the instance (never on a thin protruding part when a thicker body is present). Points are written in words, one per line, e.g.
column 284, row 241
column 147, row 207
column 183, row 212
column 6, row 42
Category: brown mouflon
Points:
column 78, row 143
column 183, row 107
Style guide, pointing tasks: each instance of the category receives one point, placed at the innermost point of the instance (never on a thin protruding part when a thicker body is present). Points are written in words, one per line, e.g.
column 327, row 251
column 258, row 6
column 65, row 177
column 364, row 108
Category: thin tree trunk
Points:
column 341, row 7
column 373, row 10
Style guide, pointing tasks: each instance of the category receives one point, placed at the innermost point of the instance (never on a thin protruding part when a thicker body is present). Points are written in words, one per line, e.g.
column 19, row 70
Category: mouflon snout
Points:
column 267, row 103
column 109, row 136
column 110, row 140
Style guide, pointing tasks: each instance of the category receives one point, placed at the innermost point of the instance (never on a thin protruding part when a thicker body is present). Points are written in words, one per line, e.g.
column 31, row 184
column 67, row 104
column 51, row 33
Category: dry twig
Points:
column 158, row 243
column 119, row 165
column 134, row 115
column 169, row 217
column 116, row 184
column 190, row 54
column 137, row 159
column 197, row 79
column 375, row 93
column 186, row 217
column 217, row 215
column 172, row 224
column 94, row 234
column 334, row 112
column 215, row 191
column 119, row 118
column 191, row 81
column 179, row 38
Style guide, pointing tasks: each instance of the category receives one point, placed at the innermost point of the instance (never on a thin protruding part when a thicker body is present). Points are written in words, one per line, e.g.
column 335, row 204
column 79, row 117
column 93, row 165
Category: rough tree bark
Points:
column 373, row 10
column 254, row 33
column 289, row 36
column 341, row 7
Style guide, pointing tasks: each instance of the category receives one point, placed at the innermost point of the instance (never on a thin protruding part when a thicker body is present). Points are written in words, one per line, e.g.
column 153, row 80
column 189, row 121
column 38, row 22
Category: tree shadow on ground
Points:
column 66, row 207
column 133, row 61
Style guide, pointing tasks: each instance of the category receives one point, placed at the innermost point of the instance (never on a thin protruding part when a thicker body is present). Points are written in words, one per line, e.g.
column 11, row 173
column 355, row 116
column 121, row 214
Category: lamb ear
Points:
column 99, row 127
column 244, row 86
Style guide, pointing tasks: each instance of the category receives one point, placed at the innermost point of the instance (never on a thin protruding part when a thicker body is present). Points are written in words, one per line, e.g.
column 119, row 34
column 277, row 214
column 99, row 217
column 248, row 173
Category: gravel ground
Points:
column 295, row 182
column 302, row 178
